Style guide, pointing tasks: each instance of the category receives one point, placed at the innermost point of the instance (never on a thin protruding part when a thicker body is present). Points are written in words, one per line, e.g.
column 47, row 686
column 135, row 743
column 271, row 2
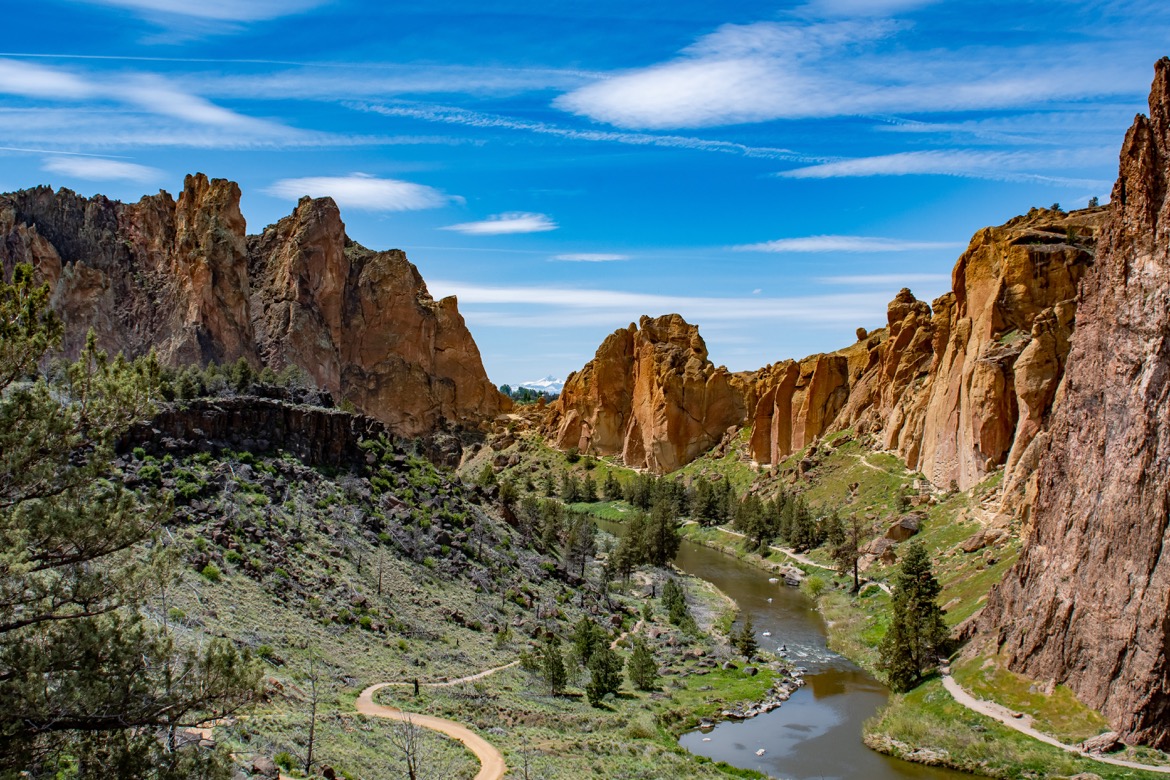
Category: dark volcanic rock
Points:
column 1088, row 602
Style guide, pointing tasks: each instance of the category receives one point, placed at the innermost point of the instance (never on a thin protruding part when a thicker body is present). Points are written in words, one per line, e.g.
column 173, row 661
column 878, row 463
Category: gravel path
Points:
column 1024, row 726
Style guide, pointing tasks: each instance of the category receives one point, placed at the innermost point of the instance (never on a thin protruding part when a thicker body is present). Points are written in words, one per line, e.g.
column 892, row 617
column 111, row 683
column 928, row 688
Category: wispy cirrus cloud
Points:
column 509, row 223
column 362, row 191
column 523, row 305
column 978, row 164
column 467, row 118
column 100, row 169
column 817, row 244
column 589, row 257
column 219, row 10
column 902, row 280
column 742, row 73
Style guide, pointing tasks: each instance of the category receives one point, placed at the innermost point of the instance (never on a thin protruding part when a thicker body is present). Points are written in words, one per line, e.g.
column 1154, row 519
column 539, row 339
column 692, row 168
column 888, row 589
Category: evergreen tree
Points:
column 548, row 486
column 642, row 669
column 846, row 541
column 84, row 677
column 745, row 639
column 674, row 601
column 917, row 633
column 589, row 490
column 611, row 488
column 588, row 637
column 605, row 674
column 242, row 375
column 570, row 488
column 552, row 666
column 662, row 536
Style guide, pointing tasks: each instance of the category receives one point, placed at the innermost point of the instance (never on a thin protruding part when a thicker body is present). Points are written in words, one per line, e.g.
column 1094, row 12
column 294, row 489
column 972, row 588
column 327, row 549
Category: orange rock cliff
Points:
column 957, row 388
column 183, row 277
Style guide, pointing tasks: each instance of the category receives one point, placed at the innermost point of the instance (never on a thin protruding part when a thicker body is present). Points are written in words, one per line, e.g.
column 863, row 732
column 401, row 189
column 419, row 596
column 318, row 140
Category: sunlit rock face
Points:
column 183, row 278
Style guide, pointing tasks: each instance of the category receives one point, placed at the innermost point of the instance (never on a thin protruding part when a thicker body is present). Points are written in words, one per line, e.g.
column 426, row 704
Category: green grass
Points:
column 1058, row 714
column 928, row 717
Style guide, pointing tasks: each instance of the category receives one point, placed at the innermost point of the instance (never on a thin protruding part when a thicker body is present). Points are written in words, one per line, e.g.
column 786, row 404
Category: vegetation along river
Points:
column 815, row 735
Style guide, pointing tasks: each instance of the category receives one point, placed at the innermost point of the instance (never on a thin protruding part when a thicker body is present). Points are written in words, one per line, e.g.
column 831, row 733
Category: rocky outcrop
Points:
column 1088, row 602
column 161, row 274
column 363, row 325
column 650, row 395
column 183, row 278
column 958, row 388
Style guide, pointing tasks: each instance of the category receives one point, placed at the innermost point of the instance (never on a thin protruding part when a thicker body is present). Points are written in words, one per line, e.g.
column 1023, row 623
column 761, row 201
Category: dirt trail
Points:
column 1024, row 726
column 491, row 761
column 456, row 681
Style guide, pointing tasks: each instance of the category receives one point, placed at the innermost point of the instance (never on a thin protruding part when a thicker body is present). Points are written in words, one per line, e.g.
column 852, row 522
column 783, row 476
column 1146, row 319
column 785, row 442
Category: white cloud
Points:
column 854, row 8
column 459, row 116
column 589, row 257
column 993, row 165
column 96, row 168
column 902, row 280
column 361, row 191
column 796, row 70
column 509, row 223
column 29, row 80
column 222, row 10
column 600, row 307
column 843, row 244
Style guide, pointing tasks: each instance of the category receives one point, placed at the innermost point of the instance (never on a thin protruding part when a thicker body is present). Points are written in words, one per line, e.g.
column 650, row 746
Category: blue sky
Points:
column 774, row 172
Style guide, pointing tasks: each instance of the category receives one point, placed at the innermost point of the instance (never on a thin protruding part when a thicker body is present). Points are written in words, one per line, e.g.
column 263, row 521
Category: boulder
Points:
column 904, row 527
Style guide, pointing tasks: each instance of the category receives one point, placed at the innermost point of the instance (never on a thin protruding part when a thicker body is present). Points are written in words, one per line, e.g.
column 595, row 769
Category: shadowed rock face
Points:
column 183, row 278
column 1088, row 602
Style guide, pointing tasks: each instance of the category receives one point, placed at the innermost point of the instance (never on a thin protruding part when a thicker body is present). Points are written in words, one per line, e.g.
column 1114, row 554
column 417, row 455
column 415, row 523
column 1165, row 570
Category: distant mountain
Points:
column 550, row 384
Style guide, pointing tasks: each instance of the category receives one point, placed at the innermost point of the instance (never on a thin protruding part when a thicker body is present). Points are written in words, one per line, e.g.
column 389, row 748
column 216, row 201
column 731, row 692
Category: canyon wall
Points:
column 957, row 389
column 184, row 278
column 1088, row 602
column 650, row 395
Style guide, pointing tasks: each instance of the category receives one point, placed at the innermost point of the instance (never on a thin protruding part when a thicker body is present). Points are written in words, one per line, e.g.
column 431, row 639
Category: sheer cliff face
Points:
column 651, row 396
column 957, row 389
column 1088, row 603
column 182, row 277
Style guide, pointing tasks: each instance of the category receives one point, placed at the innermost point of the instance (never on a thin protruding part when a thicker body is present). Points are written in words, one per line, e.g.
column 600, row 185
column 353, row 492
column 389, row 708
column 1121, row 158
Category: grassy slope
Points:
column 848, row 477
column 299, row 552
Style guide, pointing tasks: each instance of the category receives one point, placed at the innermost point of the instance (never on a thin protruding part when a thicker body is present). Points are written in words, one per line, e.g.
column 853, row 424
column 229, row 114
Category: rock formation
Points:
column 650, row 395
column 1087, row 602
column 957, row 389
column 183, row 278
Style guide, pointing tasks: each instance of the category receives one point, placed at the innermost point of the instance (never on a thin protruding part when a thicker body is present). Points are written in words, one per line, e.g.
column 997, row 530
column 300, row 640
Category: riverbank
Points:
column 927, row 726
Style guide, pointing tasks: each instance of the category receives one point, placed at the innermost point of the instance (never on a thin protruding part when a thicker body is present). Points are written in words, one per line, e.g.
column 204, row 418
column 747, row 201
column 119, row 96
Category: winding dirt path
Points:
column 491, row 761
column 1024, row 726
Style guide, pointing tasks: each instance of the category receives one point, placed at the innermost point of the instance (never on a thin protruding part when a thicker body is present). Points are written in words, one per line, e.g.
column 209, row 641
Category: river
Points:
column 816, row 734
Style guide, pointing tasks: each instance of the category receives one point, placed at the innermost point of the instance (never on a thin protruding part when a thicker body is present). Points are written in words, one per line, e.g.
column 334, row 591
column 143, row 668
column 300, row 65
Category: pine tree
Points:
column 745, row 639
column 662, row 536
column 588, row 638
column 917, row 633
column 552, row 666
column 82, row 672
column 611, row 488
column 642, row 669
column 605, row 674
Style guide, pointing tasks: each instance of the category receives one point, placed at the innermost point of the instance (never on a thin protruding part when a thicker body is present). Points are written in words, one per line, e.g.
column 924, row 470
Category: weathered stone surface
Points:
column 183, row 278
column 364, row 326
column 957, row 389
column 904, row 527
column 1088, row 602
column 649, row 395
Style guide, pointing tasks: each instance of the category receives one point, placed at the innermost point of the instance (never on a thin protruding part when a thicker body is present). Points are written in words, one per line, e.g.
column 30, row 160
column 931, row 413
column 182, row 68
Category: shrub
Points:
column 211, row 573
column 285, row 760
column 233, row 557
column 814, row 585
column 139, row 453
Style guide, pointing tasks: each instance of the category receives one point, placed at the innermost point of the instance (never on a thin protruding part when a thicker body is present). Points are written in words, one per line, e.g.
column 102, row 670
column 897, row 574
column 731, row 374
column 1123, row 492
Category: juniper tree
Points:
column 642, row 669
column 917, row 633
column 605, row 674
